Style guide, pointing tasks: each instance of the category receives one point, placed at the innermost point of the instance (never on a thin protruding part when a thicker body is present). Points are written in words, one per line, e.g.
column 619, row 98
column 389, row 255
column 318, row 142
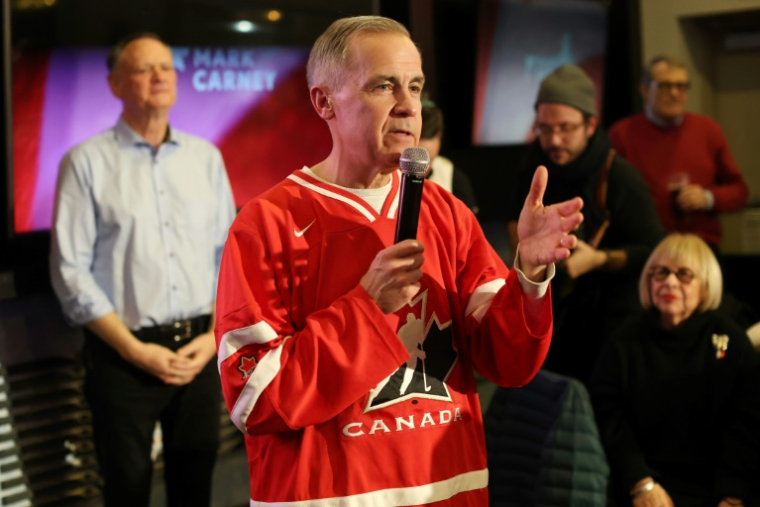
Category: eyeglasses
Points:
column 667, row 86
column 564, row 129
column 661, row 273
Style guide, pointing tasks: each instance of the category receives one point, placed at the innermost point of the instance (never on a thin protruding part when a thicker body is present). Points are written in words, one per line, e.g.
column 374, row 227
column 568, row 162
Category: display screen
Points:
column 520, row 43
column 252, row 102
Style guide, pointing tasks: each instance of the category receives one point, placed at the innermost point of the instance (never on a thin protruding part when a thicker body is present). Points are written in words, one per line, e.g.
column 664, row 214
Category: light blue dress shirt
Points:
column 139, row 230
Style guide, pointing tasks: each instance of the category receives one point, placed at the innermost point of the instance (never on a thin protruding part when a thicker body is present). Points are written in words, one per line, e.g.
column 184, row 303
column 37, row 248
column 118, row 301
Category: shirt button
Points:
column 171, row 254
column 174, row 287
column 176, row 338
column 166, row 224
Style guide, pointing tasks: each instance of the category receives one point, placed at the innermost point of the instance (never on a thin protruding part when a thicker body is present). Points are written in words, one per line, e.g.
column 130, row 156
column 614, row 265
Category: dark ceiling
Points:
column 46, row 23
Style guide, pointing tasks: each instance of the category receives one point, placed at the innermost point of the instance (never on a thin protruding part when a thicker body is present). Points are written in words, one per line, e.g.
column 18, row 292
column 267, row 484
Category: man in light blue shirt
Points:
column 141, row 216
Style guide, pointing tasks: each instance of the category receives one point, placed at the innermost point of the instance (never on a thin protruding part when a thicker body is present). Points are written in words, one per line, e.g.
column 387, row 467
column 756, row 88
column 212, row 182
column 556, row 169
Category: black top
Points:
column 668, row 406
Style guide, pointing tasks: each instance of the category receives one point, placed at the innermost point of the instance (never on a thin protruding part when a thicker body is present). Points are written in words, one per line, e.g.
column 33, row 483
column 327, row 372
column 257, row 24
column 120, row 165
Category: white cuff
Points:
column 710, row 198
column 534, row 290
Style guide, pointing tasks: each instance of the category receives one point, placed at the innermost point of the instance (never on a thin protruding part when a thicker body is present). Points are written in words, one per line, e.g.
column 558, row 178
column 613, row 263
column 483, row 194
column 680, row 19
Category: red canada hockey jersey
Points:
column 342, row 405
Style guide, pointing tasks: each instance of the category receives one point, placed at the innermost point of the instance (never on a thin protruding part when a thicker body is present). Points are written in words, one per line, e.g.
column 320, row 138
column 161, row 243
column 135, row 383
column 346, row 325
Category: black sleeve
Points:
column 634, row 224
column 462, row 189
column 740, row 460
column 607, row 387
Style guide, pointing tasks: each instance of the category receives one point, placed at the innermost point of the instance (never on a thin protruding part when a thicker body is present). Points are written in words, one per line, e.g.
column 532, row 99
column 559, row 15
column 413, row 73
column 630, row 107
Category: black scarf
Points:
column 576, row 179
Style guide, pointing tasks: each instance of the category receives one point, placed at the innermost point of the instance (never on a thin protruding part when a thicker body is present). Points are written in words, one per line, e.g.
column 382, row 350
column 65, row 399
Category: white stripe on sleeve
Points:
column 266, row 369
column 481, row 298
column 234, row 340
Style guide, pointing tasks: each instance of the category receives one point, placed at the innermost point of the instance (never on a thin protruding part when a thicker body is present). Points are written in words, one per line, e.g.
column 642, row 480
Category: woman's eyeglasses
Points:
column 660, row 273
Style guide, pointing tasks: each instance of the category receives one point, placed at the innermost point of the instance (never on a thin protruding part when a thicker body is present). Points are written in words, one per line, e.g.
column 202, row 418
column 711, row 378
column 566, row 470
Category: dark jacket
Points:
column 543, row 446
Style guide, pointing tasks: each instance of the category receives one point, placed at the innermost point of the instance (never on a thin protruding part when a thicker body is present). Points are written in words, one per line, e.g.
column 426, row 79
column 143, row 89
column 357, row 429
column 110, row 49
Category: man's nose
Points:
column 407, row 104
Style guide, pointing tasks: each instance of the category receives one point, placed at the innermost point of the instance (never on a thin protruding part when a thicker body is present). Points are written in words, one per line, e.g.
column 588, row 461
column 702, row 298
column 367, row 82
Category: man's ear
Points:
column 113, row 85
column 593, row 122
column 322, row 101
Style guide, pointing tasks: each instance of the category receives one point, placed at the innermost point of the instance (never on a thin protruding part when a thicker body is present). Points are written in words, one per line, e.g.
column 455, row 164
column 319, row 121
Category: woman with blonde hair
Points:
column 676, row 390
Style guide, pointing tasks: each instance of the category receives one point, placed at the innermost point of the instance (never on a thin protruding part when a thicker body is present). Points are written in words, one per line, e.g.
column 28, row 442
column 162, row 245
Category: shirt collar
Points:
column 126, row 136
column 651, row 116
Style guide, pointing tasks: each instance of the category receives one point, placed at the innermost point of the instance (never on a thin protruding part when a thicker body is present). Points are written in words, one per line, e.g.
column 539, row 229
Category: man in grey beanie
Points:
column 596, row 286
column 567, row 99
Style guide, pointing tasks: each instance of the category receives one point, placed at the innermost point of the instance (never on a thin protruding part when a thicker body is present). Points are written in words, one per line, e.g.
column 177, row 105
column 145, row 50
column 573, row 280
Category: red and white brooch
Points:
column 720, row 342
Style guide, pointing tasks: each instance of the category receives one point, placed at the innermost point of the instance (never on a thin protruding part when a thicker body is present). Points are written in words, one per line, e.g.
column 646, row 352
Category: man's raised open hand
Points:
column 544, row 231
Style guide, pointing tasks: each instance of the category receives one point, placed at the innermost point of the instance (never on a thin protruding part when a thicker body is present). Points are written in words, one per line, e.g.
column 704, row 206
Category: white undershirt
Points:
column 375, row 197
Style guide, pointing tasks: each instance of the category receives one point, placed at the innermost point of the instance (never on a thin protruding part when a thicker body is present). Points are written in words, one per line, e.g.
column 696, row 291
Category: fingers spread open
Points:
column 569, row 242
column 537, row 187
column 567, row 208
column 571, row 222
column 561, row 254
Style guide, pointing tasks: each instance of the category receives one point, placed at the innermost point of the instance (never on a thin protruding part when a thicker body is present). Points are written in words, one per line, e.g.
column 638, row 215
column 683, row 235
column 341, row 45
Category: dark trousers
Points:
column 126, row 402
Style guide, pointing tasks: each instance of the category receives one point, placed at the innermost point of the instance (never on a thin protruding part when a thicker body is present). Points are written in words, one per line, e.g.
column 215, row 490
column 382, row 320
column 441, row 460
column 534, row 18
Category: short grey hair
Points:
column 328, row 55
column 646, row 72
column 114, row 55
column 687, row 250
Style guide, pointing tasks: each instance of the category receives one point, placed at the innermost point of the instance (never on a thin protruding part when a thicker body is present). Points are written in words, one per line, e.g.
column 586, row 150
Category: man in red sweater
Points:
column 683, row 157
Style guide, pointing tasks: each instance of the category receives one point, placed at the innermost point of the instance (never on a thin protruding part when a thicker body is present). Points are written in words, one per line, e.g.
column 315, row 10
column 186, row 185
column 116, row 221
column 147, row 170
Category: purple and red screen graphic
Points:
column 519, row 44
column 253, row 103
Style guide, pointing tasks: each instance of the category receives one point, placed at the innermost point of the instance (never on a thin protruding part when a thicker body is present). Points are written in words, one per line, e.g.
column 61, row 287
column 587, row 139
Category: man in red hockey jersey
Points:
column 314, row 296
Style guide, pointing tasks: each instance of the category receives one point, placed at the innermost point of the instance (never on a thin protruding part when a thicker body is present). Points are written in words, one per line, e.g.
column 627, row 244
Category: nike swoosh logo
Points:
column 302, row 231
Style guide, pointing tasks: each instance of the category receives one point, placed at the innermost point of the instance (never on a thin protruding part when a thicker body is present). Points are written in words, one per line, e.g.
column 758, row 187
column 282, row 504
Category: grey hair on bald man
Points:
column 646, row 72
column 328, row 55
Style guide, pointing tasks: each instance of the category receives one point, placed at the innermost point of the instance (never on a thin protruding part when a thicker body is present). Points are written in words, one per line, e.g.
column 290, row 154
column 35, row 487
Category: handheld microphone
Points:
column 414, row 164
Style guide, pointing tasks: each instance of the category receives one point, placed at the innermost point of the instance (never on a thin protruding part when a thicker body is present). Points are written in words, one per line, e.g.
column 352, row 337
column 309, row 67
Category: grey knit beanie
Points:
column 571, row 86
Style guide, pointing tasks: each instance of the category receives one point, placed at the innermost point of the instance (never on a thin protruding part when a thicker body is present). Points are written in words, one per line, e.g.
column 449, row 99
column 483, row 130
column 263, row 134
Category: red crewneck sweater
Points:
column 698, row 148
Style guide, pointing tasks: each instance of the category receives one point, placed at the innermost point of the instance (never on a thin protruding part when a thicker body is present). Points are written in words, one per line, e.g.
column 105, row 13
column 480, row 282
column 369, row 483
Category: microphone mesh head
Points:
column 415, row 161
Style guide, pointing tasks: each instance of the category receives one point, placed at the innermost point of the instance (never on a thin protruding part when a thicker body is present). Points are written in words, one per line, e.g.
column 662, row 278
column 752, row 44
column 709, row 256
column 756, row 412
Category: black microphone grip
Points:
column 409, row 207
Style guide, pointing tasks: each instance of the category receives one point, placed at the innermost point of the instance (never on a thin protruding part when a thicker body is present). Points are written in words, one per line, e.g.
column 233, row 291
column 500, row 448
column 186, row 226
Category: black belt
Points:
column 177, row 331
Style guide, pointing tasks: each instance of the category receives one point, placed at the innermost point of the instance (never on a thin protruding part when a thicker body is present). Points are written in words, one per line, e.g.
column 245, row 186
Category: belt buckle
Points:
column 183, row 330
